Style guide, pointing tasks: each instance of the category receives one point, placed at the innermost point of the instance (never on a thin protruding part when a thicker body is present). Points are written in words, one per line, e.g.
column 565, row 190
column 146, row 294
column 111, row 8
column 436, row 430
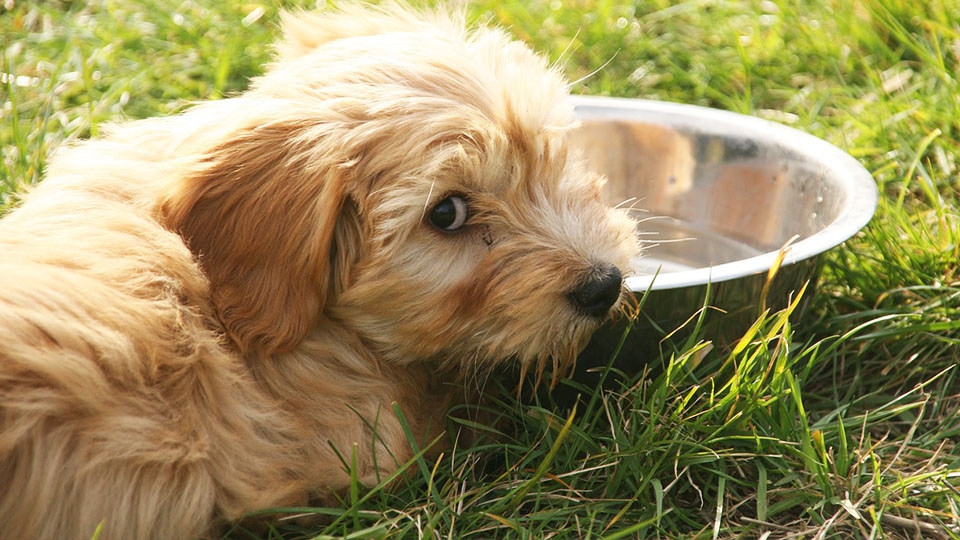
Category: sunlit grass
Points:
column 841, row 423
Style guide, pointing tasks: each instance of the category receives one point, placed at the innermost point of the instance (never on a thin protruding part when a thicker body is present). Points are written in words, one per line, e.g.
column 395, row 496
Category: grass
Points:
column 842, row 423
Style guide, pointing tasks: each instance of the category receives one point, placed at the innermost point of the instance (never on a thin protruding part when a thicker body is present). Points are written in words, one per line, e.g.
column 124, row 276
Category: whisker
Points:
column 594, row 72
column 567, row 49
column 633, row 203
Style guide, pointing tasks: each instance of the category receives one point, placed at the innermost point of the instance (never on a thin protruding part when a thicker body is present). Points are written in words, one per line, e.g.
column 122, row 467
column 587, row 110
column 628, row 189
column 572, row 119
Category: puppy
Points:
column 214, row 313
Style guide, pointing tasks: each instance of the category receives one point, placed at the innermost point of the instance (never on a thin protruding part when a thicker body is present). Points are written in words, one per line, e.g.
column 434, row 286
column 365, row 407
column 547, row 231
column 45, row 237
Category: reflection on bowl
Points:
column 718, row 195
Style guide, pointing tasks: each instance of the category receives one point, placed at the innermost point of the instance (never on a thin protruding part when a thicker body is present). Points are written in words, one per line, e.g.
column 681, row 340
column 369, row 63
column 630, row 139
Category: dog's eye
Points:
column 450, row 214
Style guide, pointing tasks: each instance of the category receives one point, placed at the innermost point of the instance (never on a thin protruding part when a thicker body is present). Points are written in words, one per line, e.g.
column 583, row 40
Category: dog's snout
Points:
column 598, row 292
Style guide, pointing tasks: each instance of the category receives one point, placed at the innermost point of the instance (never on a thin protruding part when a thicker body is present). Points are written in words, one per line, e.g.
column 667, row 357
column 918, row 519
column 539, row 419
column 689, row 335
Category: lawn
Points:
column 841, row 423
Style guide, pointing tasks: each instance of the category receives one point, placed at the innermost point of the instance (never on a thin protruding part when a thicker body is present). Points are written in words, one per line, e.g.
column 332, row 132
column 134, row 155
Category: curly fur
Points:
column 202, row 313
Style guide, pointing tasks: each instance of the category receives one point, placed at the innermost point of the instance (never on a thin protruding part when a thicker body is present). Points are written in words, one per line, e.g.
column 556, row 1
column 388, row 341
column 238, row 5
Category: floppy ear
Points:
column 260, row 215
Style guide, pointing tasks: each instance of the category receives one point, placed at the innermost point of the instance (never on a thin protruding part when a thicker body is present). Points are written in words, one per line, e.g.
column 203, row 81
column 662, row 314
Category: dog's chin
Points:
column 544, row 348
column 559, row 360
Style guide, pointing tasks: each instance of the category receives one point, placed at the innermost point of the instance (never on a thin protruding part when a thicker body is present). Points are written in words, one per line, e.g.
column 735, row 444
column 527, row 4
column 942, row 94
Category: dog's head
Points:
column 409, row 179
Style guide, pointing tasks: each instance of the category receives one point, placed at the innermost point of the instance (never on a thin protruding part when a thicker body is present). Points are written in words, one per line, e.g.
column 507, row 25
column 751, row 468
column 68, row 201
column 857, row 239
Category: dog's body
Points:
column 217, row 312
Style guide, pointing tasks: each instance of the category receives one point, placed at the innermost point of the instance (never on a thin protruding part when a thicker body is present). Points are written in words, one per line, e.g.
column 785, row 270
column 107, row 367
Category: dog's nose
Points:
column 596, row 294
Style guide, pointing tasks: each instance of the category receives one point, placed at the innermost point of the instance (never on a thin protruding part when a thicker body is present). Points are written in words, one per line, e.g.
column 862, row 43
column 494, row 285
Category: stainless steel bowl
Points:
column 719, row 195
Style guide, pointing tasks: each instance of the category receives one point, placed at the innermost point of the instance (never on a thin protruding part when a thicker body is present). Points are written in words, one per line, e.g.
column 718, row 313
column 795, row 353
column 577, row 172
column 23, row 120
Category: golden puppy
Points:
column 201, row 314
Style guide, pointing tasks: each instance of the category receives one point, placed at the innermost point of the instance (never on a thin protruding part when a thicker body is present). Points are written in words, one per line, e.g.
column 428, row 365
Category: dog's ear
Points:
column 260, row 214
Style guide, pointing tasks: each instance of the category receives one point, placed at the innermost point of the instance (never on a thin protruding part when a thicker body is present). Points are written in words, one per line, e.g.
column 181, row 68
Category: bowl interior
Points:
column 719, row 194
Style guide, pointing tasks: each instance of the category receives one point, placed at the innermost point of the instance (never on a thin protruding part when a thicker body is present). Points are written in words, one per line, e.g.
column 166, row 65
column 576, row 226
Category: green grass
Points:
column 842, row 423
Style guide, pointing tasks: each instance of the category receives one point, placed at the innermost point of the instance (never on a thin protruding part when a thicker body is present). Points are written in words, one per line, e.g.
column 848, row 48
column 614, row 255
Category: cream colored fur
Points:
column 200, row 312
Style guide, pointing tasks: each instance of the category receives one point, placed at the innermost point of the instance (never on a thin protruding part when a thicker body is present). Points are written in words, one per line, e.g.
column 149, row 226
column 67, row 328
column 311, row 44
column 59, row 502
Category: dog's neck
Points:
column 367, row 400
